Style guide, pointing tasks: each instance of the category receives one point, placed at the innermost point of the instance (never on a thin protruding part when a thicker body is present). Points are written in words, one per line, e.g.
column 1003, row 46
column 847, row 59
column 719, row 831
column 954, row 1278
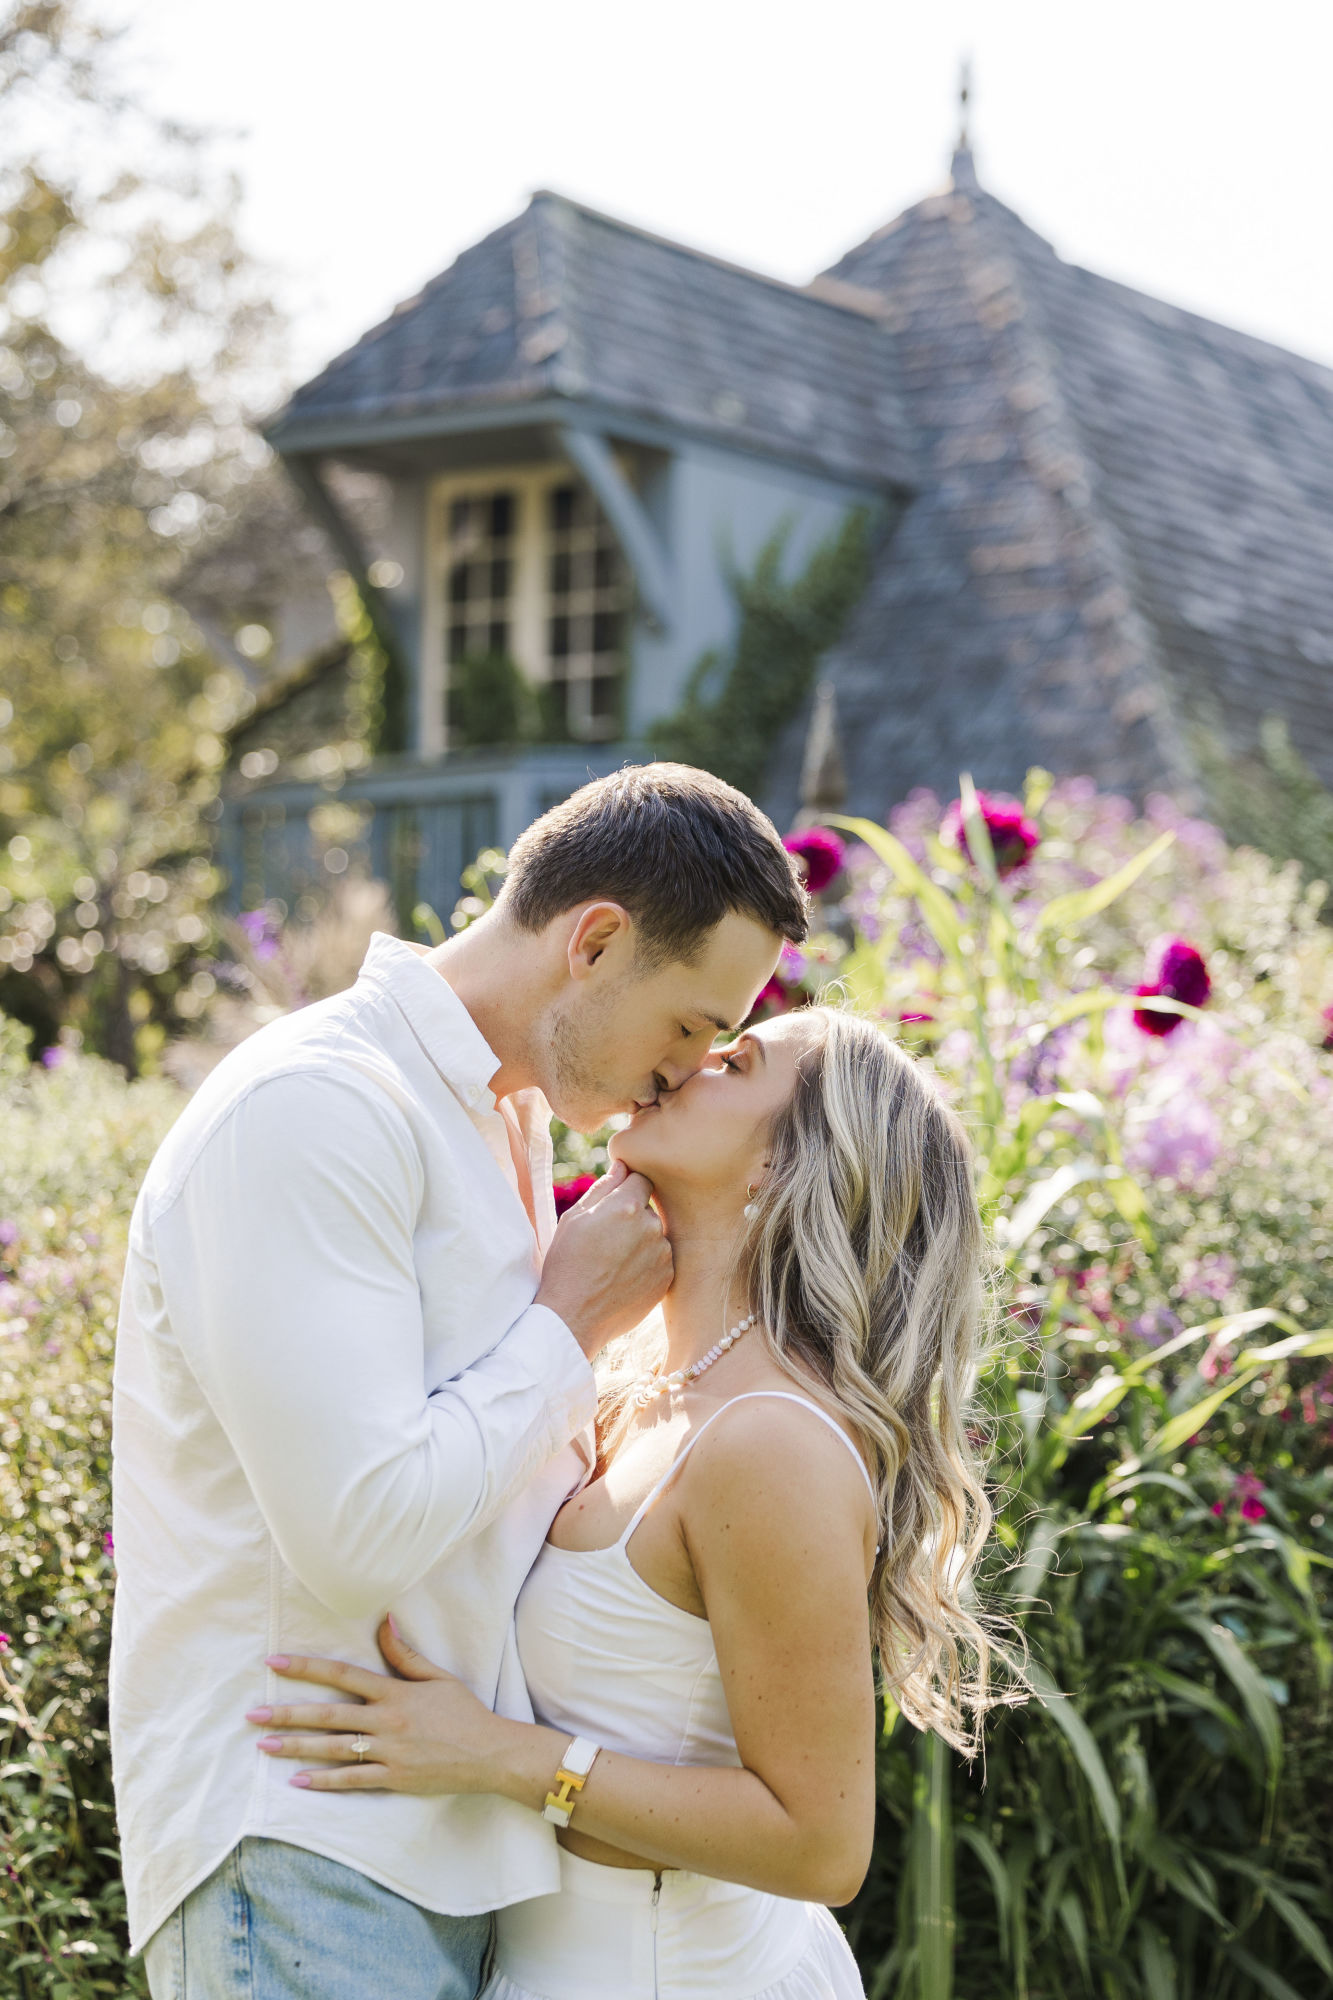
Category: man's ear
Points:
column 599, row 926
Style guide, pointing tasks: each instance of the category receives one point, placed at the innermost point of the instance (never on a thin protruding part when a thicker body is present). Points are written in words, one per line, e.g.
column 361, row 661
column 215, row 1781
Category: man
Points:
column 354, row 1361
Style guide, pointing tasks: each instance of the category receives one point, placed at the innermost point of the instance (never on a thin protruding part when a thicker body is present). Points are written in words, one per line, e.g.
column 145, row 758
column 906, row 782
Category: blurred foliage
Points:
column 1272, row 800
column 76, row 1141
column 1153, row 1825
column 112, row 471
column 736, row 706
column 492, row 703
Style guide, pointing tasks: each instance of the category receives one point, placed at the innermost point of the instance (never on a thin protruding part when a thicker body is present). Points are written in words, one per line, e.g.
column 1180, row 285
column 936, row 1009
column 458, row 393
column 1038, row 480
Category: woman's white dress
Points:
column 607, row 1658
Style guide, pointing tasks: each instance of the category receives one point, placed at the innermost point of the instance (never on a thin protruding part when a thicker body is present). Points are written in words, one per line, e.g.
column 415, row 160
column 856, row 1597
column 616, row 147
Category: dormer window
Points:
column 527, row 566
column 481, row 573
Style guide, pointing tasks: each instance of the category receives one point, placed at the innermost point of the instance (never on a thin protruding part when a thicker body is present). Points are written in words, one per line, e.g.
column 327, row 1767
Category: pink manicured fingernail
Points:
column 270, row 1743
column 278, row 1660
column 300, row 1779
column 393, row 1625
column 259, row 1715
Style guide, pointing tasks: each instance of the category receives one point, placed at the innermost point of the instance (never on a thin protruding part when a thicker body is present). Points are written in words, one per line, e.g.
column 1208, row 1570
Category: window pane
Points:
column 562, row 508
column 560, row 573
column 606, row 568
column 502, row 516
column 497, row 636
column 559, row 638
column 500, row 580
column 458, row 584
column 457, row 642
column 606, row 632
column 605, row 691
column 460, row 513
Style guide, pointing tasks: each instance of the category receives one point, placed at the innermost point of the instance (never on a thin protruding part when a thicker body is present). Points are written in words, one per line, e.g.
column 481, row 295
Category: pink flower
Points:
column 109, row 1542
column 1327, row 1018
column 1013, row 836
column 1181, row 975
column 1245, row 1488
column 4, row 1642
column 821, row 854
column 570, row 1191
column 773, row 999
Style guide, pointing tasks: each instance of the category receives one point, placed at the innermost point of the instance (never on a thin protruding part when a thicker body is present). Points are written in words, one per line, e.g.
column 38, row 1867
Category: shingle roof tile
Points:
column 563, row 301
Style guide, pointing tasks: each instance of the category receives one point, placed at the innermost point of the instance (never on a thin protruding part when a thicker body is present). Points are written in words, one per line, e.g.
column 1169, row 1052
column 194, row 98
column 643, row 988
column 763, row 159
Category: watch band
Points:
column 578, row 1760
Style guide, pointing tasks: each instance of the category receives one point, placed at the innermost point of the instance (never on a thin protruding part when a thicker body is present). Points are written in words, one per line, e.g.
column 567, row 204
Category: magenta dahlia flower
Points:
column 821, row 853
column 1181, row 975
column 1014, row 838
column 570, row 1191
column 1327, row 1018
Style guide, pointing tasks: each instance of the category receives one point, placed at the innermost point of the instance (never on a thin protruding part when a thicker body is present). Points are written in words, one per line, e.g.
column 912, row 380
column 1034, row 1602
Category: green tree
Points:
column 133, row 332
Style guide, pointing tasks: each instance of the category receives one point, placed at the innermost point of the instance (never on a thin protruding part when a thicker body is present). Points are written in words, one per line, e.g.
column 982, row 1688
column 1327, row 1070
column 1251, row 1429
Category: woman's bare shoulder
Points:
column 777, row 1475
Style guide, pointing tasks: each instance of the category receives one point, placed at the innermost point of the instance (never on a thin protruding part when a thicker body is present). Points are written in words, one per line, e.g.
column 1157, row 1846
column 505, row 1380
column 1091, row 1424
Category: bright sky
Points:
column 1180, row 145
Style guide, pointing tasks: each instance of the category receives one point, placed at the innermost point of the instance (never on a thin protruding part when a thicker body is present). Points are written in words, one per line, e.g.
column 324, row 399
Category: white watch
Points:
column 575, row 1765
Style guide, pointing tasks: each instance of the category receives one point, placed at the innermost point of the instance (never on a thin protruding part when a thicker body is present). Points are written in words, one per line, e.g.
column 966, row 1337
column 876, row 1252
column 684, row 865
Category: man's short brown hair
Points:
column 675, row 847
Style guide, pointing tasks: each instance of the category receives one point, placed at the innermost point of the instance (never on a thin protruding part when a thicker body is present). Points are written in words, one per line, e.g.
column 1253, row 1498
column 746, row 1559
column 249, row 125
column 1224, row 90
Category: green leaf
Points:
column 1064, row 912
column 1302, row 1928
column 1083, row 1744
column 1270, row 1982
column 1248, row 1682
column 983, row 1847
column 941, row 916
column 1175, row 1431
column 977, row 832
column 1193, row 1692
column 1159, row 1975
column 1076, row 1929
column 1013, row 1231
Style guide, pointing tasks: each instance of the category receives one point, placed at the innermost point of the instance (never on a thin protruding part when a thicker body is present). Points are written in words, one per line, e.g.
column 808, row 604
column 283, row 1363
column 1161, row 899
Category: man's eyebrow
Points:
column 716, row 1021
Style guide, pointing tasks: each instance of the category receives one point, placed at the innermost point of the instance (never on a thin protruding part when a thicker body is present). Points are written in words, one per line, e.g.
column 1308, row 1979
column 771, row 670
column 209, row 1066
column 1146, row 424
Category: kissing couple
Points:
column 444, row 1661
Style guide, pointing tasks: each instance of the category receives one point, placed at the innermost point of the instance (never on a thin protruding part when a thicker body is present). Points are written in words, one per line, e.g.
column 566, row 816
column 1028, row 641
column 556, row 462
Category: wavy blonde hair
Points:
column 864, row 1257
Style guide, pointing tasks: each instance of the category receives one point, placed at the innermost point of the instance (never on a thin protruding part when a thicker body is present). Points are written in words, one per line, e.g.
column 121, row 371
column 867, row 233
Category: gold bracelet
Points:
column 571, row 1777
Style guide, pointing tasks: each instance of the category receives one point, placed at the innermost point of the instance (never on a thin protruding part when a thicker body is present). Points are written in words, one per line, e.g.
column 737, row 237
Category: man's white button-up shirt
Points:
column 334, row 1397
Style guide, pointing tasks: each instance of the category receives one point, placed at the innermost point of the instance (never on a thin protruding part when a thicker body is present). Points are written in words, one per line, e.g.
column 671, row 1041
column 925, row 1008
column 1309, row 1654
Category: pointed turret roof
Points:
column 1122, row 528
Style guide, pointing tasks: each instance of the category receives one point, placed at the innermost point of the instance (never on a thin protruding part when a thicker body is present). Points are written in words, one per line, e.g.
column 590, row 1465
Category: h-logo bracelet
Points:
column 570, row 1779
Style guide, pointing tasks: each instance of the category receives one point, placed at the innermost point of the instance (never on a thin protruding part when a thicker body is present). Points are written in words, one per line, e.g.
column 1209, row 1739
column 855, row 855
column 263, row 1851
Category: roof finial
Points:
column 963, row 173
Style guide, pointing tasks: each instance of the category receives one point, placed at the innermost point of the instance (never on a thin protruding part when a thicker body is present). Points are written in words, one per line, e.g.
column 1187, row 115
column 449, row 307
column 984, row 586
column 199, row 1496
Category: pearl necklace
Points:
column 649, row 1387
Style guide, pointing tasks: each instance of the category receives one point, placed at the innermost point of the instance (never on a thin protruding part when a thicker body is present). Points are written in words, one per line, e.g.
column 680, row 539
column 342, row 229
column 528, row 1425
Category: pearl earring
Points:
column 751, row 1191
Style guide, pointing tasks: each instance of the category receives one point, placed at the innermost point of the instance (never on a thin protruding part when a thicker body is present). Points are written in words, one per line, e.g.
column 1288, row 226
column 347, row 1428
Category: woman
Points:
column 699, row 1609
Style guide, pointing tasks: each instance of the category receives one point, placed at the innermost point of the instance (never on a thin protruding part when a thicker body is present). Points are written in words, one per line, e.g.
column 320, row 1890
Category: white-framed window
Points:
column 523, row 562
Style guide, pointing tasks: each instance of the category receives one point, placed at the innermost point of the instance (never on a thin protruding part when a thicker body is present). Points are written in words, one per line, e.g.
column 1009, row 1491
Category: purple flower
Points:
column 1181, row 975
column 54, row 1056
column 9, row 1234
column 109, row 1542
column 1327, row 1018
column 821, row 853
column 262, row 931
column 1014, row 838
column 570, row 1191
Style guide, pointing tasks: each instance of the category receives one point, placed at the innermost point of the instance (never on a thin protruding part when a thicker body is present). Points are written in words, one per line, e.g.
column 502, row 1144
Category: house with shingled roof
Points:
column 1101, row 523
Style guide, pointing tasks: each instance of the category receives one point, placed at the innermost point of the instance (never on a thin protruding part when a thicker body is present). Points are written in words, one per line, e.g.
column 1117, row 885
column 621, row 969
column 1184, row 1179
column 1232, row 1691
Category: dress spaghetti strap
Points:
column 751, row 1396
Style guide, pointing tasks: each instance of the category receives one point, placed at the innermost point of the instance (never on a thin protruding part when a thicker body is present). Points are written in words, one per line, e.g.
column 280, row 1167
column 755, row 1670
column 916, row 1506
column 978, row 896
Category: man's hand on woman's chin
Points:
column 609, row 1262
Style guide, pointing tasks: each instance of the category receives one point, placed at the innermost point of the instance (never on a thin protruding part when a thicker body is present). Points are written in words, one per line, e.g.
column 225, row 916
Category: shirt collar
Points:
column 440, row 1021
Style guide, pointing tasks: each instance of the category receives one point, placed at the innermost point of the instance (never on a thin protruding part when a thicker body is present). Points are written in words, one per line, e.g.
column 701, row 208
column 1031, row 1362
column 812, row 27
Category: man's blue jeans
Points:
column 277, row 1923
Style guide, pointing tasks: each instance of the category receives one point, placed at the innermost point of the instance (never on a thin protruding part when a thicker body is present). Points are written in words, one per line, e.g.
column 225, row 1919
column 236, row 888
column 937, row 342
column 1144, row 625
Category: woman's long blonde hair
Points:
column 863, row 1256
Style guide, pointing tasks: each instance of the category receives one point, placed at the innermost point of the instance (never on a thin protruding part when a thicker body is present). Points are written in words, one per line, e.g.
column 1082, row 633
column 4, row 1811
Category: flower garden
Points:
column 1137, row 1023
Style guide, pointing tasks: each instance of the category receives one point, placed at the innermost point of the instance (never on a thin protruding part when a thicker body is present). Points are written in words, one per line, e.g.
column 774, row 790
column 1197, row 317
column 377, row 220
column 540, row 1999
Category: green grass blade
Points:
column 938, row 910
column 980, row 1844
column 1175, row 1431
column 1084, row 1747
column 1159, row 1975
column 1062, row 913
column 1076, row 1930
column 1248, row 1682
column 1269, row 1982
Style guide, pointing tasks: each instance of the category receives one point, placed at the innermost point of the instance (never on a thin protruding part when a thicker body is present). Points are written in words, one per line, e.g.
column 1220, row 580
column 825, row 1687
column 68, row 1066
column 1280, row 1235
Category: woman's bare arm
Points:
column 776, row 1520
